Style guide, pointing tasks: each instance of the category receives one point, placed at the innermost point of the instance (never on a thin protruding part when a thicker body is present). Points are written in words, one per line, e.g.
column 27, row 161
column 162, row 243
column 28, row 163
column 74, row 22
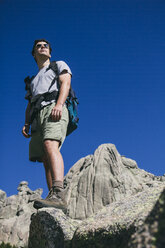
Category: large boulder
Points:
column 51, row 228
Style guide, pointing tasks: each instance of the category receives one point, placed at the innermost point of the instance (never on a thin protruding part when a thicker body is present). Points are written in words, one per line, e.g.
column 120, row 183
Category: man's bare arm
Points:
column 65, row 81
column 26, row 127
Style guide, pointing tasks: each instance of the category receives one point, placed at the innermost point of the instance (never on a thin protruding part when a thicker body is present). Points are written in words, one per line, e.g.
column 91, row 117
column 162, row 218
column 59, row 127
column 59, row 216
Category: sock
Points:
column 57, row 184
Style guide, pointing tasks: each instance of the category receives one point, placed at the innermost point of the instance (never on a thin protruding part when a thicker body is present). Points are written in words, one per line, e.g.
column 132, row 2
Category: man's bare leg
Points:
column 55, row 160
column 47, row 172
column 54, row 166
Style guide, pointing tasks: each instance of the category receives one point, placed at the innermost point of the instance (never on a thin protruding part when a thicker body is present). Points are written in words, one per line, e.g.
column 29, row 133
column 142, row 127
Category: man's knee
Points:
column 50, row 145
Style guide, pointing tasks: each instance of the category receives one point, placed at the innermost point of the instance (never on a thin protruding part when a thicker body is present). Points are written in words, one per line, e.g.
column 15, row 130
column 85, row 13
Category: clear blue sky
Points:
column 116, row 51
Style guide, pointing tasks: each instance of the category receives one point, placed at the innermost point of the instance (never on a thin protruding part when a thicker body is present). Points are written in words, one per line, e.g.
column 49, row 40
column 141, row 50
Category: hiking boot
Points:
column 49, row 194
column 55, row 198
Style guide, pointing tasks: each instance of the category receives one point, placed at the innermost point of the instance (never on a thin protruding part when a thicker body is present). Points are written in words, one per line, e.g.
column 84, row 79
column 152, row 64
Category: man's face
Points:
column 42, row 48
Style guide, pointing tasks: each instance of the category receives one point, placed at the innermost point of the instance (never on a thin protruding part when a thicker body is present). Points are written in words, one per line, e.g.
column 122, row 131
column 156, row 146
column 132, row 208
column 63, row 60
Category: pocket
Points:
column 65, row 114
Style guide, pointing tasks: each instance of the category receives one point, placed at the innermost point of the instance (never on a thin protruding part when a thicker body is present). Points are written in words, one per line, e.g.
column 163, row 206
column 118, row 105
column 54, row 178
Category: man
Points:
column 52, row 121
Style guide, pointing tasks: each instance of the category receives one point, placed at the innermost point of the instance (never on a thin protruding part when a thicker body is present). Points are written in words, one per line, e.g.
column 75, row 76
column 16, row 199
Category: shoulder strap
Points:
column 54, row 67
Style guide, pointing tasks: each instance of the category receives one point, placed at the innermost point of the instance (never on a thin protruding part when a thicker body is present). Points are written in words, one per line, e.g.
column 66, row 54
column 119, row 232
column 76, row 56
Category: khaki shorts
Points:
column 47, row 129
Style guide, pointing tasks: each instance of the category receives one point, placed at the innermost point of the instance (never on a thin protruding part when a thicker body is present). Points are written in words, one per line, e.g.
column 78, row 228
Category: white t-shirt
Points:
column 42, row 81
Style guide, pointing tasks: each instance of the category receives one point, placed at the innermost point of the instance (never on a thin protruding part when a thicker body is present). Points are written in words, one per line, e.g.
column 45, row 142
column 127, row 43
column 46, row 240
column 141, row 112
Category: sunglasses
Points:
column 40, row 45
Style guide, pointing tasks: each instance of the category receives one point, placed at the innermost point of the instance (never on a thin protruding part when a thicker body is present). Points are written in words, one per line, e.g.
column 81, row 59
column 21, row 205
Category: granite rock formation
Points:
column 123, row 224
column 100, row 179
column 15, row 214
column 152, row 232
column 110, row 201
column 135, row 222
column 109, row 198
column 51, row 228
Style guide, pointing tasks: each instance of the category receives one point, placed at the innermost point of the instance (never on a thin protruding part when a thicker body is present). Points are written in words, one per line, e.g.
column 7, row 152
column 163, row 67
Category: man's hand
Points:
column 56, row 113
column 25, row 131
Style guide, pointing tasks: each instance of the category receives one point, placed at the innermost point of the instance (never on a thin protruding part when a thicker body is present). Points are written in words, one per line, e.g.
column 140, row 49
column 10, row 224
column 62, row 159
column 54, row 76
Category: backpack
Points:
column 71, row 102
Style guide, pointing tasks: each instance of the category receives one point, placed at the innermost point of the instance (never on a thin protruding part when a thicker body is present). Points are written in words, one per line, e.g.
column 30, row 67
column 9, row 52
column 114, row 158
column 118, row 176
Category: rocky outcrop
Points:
column 121, row 223
column 152, row 232
column 110, row 201
column 15, row 214
column 109, row 198
column 51, row 228
column 105, row 177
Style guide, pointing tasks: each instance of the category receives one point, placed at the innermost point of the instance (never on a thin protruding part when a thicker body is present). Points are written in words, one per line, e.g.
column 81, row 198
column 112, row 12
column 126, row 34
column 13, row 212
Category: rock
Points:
column 25, row 208
column 109, row 198
column 6, row 229
column 117, row 223
column 152, row 232
column 120, row 224
column 110, row 202
column 24, row 191
column 51, row 228
column 12, row 200
column 100, row 179
column 8, row 211
column 129, row 162
column 15, row 215
column 2, row 197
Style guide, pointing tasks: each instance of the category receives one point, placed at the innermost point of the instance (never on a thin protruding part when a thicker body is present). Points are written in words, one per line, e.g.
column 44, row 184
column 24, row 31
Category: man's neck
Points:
column 43, row 63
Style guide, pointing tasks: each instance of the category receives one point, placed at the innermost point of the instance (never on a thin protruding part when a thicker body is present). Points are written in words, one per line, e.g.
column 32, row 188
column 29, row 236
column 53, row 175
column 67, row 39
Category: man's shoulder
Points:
column 60, row 62
column 61, row 66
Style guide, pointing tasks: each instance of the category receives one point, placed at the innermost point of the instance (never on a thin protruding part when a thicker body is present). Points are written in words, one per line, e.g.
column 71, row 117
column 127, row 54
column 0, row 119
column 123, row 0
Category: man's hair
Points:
column 35, row 43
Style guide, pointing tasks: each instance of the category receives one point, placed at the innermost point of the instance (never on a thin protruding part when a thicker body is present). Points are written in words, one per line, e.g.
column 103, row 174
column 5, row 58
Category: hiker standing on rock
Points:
column 48, row 117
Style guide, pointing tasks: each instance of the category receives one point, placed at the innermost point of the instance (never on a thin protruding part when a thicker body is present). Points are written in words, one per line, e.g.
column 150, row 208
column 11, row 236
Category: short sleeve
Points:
column 63, row 67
